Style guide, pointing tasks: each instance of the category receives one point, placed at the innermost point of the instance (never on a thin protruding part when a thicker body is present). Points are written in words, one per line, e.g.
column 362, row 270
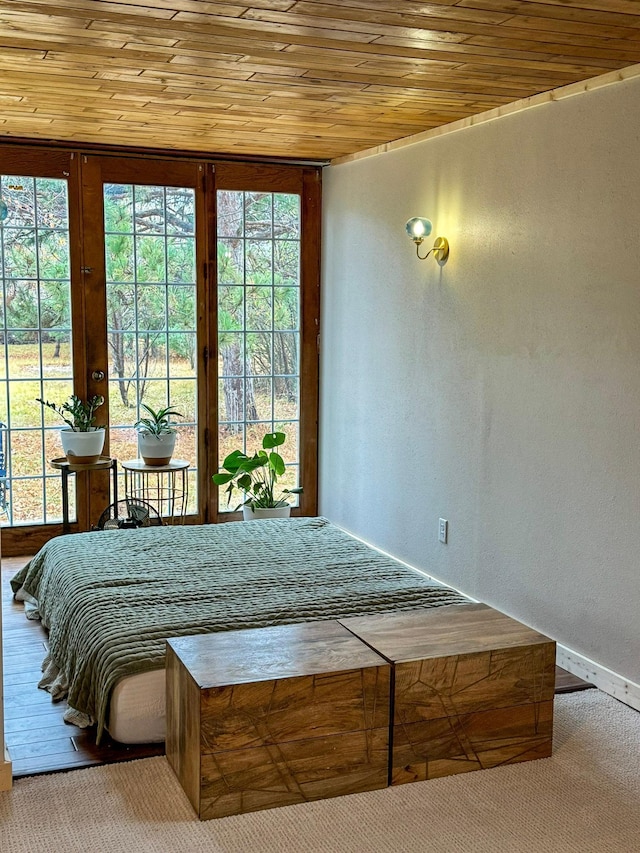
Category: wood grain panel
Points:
column 283, row 774
column 475, row 741
column 455, row 629
column 229, row 658
column 183, row 726
column 456, row 684
column 263, row 713
column 278, row 61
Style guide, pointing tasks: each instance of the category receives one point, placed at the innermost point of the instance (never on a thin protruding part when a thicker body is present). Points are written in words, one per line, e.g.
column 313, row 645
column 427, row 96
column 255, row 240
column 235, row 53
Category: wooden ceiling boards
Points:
column 313, row 79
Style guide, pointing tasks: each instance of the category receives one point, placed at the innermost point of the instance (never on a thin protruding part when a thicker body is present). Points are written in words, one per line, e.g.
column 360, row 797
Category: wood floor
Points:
column 38, row 739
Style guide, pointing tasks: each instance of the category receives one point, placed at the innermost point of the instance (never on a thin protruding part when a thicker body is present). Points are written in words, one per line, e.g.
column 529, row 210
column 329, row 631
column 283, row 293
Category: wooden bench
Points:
column 275, row 716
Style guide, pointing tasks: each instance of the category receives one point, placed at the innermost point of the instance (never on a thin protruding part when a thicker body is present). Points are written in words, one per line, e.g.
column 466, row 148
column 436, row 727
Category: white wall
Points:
column 501, row 392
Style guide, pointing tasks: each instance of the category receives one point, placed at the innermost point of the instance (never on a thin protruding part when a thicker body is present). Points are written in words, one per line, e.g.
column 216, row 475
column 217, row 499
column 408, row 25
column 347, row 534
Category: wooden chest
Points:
column 274, row 716
column 473, row 689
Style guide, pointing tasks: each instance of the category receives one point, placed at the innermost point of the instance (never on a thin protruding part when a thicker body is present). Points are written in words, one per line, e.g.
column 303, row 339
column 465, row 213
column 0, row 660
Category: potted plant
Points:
column 256, row 477
column 156, row 435
column 82, row 441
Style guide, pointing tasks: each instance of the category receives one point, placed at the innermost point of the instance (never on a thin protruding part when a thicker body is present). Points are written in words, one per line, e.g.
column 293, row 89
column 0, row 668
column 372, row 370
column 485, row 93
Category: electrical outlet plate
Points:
column 443, row 530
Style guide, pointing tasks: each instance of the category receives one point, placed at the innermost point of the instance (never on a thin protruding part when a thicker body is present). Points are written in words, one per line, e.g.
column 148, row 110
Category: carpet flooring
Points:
column 586, row 797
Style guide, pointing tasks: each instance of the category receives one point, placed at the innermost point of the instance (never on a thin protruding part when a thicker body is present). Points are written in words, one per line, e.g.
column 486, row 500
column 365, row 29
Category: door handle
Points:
column 97, row 375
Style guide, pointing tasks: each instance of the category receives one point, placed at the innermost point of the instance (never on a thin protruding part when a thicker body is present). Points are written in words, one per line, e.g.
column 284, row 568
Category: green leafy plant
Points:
column 158, row 422
column 256, row 476
column 77, row 413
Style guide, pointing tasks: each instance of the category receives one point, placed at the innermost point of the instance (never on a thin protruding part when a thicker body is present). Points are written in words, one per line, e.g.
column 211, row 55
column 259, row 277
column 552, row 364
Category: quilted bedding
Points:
column 109, row 599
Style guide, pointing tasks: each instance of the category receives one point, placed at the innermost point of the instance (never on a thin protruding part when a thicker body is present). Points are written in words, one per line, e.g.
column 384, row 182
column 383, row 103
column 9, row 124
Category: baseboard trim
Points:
column 5, row 773
column 605, row 679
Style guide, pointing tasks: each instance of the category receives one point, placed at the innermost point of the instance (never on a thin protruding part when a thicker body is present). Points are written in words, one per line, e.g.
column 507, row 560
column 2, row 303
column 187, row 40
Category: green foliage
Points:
column 77, row 413
column 151, row 293
column 159, row 421
column 258, row 294
column 256, row 476
column 35, row 261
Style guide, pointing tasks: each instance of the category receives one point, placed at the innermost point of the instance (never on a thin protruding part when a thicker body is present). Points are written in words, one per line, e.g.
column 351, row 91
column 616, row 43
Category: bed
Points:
column 110, row 599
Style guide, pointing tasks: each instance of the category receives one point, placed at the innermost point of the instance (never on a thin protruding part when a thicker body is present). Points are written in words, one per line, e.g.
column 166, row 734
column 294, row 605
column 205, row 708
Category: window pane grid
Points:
column 151, row 323
column 258, row 323
column 35, row 335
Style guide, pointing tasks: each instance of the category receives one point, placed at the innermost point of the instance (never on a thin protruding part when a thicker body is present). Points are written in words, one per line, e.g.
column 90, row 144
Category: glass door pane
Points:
column 35, row 345
column 150, row 255
column 258, row 249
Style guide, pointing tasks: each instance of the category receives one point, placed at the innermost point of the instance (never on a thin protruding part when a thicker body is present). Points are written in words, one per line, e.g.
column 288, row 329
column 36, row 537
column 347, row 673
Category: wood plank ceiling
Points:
column 312, row 79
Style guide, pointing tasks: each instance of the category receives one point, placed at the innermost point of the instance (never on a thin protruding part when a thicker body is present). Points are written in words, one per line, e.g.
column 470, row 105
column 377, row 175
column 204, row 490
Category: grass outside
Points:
column 35, row 493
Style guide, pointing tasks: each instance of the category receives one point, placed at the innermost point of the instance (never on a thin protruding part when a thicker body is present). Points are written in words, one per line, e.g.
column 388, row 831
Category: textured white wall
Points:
column 501, row 392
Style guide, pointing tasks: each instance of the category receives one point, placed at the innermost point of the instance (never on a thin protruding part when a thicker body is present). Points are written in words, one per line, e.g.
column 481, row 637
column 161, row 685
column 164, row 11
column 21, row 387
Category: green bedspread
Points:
column 110, row 598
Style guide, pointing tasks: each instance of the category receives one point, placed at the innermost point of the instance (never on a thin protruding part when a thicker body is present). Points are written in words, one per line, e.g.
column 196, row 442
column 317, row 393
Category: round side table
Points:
column 66, row 468
column 165, row 487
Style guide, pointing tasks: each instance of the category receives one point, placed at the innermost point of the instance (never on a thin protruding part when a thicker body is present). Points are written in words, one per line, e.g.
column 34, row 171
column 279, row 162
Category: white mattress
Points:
column 138, row 703
column 137, row 708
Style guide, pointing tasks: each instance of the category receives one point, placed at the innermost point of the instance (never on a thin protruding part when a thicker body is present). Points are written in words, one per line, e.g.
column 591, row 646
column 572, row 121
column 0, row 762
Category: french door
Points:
column 157, row 282
column 267, row 239
column 144, row 258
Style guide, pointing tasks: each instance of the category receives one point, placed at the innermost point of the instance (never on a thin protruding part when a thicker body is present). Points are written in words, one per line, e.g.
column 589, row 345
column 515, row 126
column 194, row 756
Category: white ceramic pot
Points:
column 249, row 514
column 156, row 449
column 82, row 448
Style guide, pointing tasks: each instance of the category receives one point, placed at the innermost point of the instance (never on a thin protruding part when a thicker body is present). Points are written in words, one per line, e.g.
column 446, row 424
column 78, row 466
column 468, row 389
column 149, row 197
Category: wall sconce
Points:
column 418, row 228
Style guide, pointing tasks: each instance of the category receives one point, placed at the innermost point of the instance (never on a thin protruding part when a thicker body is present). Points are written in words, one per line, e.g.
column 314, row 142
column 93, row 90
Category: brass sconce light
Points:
column 419, row 228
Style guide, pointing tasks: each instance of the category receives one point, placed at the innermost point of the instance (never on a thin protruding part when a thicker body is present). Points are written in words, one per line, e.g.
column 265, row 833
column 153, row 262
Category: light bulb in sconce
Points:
column 418, row 228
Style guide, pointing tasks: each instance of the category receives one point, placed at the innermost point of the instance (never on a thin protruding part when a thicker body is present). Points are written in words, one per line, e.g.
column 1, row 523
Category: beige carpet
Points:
column 585, row 798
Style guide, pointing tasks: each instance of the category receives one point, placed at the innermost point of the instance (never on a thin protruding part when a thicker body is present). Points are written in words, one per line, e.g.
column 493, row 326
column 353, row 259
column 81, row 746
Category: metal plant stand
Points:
column 165, row 487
